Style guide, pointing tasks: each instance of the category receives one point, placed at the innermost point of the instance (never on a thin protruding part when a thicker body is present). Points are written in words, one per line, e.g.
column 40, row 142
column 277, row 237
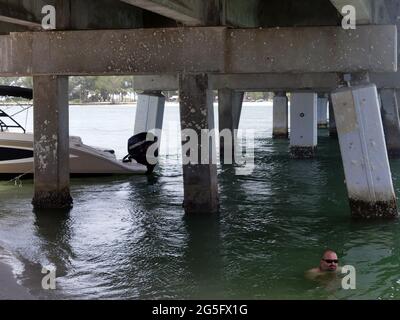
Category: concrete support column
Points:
column 229, row 110
column 280, row 116
column 322, row 111
column 303, row 124
column 391, row 121
column 363, row 148
column 51, row 142
column 332, row 122
column 149, row 112
column 200, row 173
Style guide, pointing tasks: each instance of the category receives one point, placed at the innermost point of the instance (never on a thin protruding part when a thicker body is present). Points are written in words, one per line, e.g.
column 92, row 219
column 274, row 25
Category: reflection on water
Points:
column 127, row 237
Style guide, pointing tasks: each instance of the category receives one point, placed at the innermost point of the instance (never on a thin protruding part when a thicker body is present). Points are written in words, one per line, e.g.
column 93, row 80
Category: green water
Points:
column 129, row 237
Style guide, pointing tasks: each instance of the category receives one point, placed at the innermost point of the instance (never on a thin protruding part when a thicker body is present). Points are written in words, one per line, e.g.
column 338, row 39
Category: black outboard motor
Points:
column 137, row 150
column 13, row 91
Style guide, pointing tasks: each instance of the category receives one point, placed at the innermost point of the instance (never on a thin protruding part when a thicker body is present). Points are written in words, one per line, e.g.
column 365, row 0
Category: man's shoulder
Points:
column 314, row 270
column 312, row 273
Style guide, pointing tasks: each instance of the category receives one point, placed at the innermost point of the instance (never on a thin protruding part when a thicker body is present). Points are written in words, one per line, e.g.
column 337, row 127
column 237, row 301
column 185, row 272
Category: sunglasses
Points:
column 329, row 261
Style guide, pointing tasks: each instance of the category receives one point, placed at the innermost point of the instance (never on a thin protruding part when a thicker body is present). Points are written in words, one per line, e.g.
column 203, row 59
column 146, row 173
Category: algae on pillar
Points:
column 303, row 125
column 51, row 142
column 363, row 148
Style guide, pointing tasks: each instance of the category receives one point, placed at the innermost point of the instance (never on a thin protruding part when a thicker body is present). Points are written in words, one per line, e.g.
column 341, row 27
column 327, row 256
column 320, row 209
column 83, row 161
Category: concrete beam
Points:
column 6, row 28
column 16, row 15
column 188, row 12
column 241, row 13
column 386, row 12
column 311, row 49
column 113, row 52
column 158, row 51
column 294, row 13
column 166, row 82
column 386, row 80
column 82, row 15
column 104, row 14
column 321, row 82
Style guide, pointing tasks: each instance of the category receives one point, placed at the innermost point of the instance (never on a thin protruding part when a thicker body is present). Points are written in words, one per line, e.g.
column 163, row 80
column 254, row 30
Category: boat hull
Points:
column 16, row 158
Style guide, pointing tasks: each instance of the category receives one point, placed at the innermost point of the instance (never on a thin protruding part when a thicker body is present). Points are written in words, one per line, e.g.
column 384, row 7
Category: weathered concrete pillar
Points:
column 149, row 112
column 391, row 121
column 322, row 111
column 332, row 122
column 229, row 110
column 303, row 124
column 200, row 173
column 51, row 142
column 363, row 148
column 280, row 111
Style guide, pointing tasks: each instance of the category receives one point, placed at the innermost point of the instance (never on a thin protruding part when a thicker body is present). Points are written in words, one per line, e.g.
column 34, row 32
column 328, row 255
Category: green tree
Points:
column 82, row 88
column 108, row 87
column 87, row 89
column 20, row 82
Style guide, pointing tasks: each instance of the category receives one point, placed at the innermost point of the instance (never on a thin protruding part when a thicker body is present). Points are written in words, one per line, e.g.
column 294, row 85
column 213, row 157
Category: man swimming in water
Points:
column 329, row 264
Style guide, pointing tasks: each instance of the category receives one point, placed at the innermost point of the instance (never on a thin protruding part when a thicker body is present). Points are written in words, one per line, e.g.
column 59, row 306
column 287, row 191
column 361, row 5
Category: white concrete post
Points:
column 303, row 124
column 322, row 111
column 229, row 110
column 149, row 112
column 363, row 148
column 280, row 111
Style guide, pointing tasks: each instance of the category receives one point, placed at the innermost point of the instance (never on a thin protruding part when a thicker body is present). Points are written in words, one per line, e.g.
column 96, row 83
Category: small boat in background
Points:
column 16, row 149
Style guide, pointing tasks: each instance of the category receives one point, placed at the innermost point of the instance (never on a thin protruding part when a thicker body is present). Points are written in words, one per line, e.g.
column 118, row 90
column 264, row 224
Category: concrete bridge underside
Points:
column 231, row 46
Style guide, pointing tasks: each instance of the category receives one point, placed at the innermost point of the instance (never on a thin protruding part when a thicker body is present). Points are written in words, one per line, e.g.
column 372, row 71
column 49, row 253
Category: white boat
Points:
column 16, row 152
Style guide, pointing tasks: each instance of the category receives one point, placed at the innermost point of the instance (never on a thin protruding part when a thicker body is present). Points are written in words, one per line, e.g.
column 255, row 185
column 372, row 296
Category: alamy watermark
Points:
column 49, row 280
column 349, row 17
column 49, row 20
column 348, row 22
column 199, row 147
column 349, row 280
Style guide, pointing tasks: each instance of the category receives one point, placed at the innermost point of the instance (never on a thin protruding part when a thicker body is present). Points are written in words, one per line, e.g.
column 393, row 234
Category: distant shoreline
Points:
column 116, row 104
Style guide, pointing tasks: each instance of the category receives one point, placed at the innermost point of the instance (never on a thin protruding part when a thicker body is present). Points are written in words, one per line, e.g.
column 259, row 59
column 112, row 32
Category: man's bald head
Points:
column 329, row 261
